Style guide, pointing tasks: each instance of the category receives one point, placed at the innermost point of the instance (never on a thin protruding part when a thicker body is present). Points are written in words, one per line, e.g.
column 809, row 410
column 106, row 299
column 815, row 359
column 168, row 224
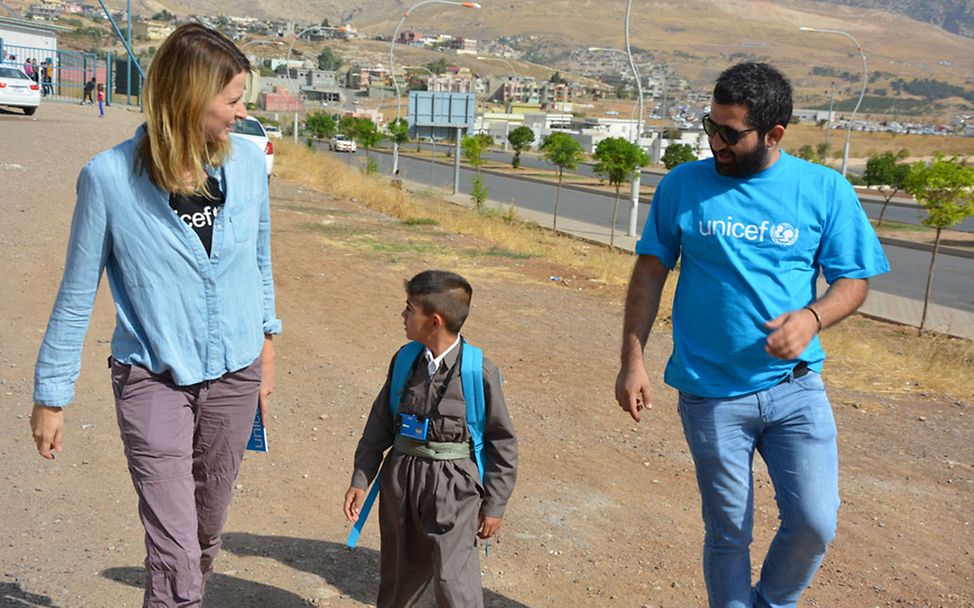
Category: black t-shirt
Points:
column 199, row 212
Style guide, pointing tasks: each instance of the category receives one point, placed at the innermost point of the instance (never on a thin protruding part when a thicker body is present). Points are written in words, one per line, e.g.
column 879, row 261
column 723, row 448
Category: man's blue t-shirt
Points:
column 750, row 249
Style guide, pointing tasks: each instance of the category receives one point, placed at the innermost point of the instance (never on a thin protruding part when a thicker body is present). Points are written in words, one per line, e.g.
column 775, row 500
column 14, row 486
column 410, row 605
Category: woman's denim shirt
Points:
column 177, row 310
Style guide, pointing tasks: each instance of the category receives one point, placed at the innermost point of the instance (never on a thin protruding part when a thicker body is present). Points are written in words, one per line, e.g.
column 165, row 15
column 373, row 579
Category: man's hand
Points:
column 791, row 333
column 488, row 526
column 354, row 498
column 47, row 426
column 267, row 370
column 632, row 390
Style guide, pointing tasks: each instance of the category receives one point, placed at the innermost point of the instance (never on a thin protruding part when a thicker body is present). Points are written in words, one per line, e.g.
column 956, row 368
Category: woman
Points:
column 179, row 218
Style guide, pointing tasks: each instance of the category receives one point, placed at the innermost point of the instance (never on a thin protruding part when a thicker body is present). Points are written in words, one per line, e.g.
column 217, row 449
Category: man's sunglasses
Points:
column 730, row 136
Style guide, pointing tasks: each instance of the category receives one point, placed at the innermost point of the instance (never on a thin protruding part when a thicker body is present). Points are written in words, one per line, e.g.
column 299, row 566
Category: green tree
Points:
column 437, row 67
column 944, row 188
column 321, row 125
column 677, row 154
column 478, row 192
column 822, row 151
column 328, row 60
column 618, row 160
column 806, row 152
column 520, row 139
column 882, row 170
column 367, row 136
column 399, row 128
column 346, row 126
column 563, row 152
column 473, row 147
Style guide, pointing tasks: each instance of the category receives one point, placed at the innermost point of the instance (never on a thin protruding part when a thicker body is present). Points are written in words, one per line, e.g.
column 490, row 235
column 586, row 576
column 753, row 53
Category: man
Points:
column 751, row 228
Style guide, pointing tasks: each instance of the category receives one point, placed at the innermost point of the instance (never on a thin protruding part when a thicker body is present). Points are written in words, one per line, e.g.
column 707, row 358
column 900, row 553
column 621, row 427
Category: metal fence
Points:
column 61, row 74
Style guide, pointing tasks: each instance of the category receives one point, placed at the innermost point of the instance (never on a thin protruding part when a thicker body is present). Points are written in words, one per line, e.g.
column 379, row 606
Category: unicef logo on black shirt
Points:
column 784, row 234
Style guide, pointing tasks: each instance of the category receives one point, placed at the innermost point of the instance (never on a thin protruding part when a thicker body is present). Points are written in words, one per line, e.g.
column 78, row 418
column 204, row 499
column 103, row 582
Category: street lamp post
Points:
column 637, row 178
column 507, row 121
column 392, row 66
column 862, row 55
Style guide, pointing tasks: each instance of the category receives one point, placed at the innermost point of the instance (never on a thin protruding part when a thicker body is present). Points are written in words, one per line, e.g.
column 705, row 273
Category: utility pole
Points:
column 828, row 126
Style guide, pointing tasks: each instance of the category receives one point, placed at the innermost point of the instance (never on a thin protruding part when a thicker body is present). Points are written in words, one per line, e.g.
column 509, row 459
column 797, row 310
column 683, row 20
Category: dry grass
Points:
column 862, row 145
column 322, row 172
column 878, row 357
column 864, row 354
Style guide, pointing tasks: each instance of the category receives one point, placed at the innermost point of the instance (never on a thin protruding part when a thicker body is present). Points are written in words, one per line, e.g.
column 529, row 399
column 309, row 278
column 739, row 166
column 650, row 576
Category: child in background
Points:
column 101, row 100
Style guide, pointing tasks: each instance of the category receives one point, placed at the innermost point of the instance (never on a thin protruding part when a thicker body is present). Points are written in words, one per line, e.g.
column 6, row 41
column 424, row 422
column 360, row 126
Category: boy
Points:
column 433, row 501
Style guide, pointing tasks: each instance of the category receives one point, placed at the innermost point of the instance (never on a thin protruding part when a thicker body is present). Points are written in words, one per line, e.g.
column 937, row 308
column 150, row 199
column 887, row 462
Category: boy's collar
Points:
column 449, row 349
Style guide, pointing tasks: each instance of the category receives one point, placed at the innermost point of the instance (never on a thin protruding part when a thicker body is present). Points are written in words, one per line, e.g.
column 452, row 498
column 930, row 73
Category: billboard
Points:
column 437, row 114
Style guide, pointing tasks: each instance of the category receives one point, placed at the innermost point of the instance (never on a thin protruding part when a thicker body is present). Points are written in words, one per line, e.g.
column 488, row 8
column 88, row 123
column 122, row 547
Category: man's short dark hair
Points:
column 759, row 87
column 445, row 293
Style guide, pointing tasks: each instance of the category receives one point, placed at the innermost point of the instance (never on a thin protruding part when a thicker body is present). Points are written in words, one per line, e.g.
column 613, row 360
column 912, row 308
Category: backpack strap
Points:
column 472, row 384
column 401, row 367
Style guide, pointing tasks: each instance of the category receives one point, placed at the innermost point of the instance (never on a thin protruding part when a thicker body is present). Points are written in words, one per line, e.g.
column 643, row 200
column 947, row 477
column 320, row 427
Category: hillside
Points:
column 696, row 38
column 955, row 16
column 903, row 40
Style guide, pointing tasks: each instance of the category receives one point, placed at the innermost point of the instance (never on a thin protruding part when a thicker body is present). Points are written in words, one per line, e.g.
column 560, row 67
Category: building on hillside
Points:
column 93, row 12
column 47, row 11
column 158, row 30
column 363, row 77
column 279, row 100
column 463, row 46
column 449, row 83
column 409, row 37
column 811, row 115
column 522, row 89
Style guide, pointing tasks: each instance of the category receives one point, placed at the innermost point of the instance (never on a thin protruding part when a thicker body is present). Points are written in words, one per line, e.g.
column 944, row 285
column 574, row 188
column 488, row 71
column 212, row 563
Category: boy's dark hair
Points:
column 445, row 293
column 759, row 87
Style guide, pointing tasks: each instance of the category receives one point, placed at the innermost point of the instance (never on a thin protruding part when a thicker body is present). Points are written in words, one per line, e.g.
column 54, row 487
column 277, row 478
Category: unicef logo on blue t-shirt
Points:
column 784, row 234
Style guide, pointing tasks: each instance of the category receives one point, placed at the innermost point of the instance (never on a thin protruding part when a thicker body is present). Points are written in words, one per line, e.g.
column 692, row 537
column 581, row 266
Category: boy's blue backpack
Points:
column 472, row 382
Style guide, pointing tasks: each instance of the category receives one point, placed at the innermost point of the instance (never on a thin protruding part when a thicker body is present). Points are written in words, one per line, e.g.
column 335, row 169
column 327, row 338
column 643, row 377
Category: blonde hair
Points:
column 191, row 67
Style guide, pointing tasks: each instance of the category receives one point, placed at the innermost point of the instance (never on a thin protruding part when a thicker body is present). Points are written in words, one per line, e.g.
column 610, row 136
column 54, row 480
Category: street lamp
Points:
column 392, row 66
column 637, row 177
column 501, row 59
column 514, row 77
column 272, row 42
column 862, row 55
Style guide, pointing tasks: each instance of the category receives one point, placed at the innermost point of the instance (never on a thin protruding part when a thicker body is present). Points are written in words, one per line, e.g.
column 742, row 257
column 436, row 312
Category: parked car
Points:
column 19, row 90
column 251, row 130
column 273, row 132
column 342, row 143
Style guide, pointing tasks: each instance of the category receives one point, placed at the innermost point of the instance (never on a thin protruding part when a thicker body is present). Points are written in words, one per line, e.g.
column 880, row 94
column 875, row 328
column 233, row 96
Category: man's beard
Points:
column 744, row 164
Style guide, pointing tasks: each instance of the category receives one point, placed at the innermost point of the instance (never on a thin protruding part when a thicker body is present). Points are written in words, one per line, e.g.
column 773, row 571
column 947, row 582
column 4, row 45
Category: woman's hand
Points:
column 267, row 370
column 47, row 426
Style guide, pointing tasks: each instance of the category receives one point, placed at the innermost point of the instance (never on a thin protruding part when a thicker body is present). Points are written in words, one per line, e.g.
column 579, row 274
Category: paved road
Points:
column 954, row 288
column 896, row 211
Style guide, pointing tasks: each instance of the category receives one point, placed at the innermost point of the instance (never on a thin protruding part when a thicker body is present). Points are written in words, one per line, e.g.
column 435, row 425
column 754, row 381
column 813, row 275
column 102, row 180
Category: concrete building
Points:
column 24, row 39
column 279, row 100
column 48, row 11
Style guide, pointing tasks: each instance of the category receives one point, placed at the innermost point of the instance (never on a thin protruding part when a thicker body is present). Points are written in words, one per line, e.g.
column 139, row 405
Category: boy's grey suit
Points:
column 429, row 509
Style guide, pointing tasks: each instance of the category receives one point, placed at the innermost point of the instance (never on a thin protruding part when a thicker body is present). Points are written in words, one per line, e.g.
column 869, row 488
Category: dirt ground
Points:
column 605, row 513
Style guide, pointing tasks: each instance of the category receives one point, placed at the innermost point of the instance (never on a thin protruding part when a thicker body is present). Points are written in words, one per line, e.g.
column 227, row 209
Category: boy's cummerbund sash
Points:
column 432, row 450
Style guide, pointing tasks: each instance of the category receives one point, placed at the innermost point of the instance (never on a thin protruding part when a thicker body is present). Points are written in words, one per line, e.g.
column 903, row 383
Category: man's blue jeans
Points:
column 792, row 427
